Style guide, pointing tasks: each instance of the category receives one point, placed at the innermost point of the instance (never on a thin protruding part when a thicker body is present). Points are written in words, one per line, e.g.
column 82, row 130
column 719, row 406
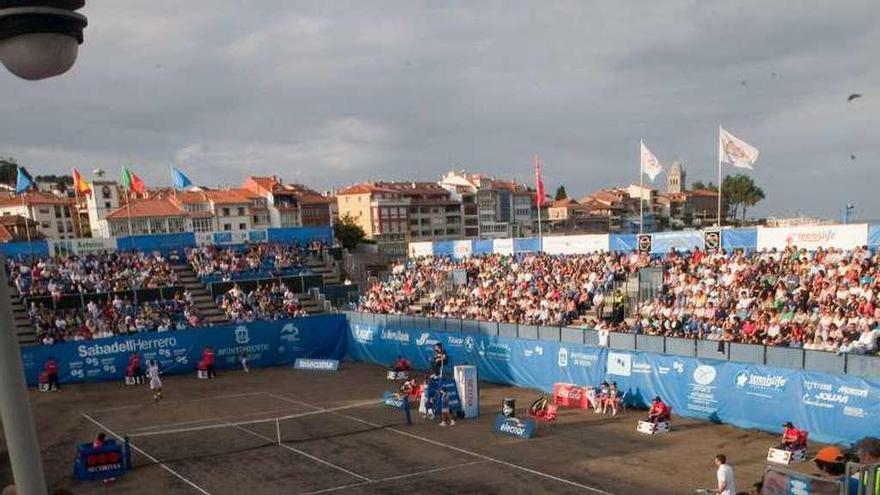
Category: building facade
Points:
column 55, row 217
column 291, row 205
column 492, row 208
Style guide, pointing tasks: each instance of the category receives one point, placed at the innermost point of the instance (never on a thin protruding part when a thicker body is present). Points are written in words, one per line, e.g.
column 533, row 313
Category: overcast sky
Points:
column 330, row 93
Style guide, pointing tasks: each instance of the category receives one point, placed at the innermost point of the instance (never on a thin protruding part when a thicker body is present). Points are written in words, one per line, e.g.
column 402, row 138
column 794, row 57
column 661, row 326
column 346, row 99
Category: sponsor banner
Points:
column 265, row 344
column 517, row 427
column 575, row 244
column 686, row 240
column 812, row 237
column 502, row 246
column 81, row 246
column 468, row 390
column 316, row 364
column 461, row 249
column 421, row 249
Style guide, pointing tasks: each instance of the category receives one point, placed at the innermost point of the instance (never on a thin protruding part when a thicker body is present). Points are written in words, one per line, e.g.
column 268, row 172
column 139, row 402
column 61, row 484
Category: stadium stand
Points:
column 823, row 300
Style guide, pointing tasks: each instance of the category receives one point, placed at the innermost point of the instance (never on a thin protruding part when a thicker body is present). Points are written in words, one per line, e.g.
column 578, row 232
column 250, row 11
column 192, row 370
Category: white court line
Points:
column 148, row 456
column 464, row 451
column 197, row 421
column 300, row 452
column 213, row 397
column 392, row 478
column 251, row 421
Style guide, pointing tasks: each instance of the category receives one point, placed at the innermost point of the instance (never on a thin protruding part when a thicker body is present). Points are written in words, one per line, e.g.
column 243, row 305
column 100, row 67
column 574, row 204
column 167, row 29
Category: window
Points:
column 241, row 211
column 202, row 225
column 45, row 225
column 140, row 226
column 44, row 211
column 157, row 225
column 242, row 226
column 107, row 205
column 60, row 225
column 106, row 193
column 175, row 224
column 225, row 212
column 67, row 212
column 227, row 226
column 69, row 227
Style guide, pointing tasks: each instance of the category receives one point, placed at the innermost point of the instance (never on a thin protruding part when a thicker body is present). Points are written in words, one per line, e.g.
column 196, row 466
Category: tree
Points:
column 560, row 193
column 349, row 232
column 8, row 171
column 739, row 191
column 700, row 185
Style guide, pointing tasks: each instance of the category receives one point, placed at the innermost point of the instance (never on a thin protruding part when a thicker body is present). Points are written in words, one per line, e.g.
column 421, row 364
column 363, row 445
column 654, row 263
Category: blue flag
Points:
column 180, row 180
column 23, row 182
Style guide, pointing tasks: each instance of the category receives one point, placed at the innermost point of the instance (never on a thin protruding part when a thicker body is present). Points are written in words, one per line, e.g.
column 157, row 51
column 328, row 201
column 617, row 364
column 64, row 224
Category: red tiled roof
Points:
column 563, row 203
column 704, row 193
column 146, row 208
column 364, row 188
column 35, row 198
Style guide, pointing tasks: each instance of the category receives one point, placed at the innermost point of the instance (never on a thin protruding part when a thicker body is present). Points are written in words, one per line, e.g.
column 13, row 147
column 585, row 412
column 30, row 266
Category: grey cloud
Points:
column 336, row 92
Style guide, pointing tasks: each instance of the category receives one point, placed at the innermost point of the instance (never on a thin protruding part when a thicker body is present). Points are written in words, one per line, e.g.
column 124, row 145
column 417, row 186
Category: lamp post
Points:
column 38, row 39
column 847, row 210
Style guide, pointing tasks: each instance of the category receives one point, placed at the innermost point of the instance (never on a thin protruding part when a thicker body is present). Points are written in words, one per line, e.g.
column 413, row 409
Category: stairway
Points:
column 24, row 331
column 201, row 297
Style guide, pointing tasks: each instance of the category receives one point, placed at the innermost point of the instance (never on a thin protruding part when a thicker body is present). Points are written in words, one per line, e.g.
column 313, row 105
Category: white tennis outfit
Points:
column 153, row 374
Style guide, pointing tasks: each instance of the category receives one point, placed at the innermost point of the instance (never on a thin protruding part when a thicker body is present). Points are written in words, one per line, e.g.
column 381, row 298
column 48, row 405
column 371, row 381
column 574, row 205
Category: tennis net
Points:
column 212, row 437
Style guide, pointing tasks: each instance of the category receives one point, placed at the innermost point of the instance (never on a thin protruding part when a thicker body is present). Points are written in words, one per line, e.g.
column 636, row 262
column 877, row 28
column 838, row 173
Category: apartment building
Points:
column 54, row 216
column 291, row 205
column 382, row 212
column 491, row 207
column 433, row 214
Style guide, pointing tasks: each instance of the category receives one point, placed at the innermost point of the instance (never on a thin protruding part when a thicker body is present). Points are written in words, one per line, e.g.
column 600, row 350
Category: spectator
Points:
column 726, row 482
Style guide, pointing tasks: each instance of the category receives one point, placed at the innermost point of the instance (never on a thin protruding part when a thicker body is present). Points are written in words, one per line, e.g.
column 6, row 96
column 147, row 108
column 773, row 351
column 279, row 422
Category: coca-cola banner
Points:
column 812, row 237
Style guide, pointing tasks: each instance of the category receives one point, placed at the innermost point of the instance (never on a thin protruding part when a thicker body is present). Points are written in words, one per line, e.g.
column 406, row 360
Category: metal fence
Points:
column 866, row 366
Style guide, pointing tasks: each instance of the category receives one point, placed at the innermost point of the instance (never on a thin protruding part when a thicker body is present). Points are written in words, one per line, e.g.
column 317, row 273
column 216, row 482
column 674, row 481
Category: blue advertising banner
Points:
column 622, row 243
column 24, row 249
column 526, row 363
column 873, row 235
column 266, row 343
column 443, row 248
column 482, row 246
column 301, row 235
column 687, row 240
column 739, row 239
column 526, row 245
column 518, row 427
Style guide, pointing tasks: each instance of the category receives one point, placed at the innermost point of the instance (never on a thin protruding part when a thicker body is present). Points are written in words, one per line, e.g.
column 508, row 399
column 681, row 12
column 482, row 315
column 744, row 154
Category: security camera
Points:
column 40, row 38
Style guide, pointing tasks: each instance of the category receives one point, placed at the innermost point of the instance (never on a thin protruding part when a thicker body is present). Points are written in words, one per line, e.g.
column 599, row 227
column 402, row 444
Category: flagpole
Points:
column 641, row 189
column 27, row 227
column 719, row 177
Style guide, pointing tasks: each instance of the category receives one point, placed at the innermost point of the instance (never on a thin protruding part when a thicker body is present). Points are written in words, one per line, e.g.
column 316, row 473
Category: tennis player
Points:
column 155, row 381
column 243, row 359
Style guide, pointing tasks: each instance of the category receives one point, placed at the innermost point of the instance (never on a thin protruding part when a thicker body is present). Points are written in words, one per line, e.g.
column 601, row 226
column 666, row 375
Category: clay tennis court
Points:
column 209, row 437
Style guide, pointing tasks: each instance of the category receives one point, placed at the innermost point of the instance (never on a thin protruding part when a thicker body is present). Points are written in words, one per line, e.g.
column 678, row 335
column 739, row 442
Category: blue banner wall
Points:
column 527, row 363
column 267, row 343
column 156, row 242
column 834, row 409
column 444, row 248
column 622, row 242
column 25, row 249
column 874, row 235
column 739, row 239
column 526, row 245
column 687, row 240
column 301, row 235
column 482, row 246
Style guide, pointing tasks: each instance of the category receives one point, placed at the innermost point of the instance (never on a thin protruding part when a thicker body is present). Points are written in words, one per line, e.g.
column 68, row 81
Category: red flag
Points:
column 539, row 183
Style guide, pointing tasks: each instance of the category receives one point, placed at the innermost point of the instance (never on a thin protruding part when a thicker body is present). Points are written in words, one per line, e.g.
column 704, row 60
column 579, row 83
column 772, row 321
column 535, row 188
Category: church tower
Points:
column 676, row 178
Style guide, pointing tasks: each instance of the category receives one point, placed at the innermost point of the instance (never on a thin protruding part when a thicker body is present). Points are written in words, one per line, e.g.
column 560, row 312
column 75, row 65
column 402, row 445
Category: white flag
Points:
column 735, row 151
column 650, row 164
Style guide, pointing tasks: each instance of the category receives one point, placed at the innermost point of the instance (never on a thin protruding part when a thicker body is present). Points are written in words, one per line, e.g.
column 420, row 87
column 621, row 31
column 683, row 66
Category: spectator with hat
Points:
column 831, row 462
column 792, row 438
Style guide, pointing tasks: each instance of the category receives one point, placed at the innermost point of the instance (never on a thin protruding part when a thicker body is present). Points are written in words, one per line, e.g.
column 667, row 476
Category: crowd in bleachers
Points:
column 99, row 319
column 825, row 300
column 90, row 273
column 269, row 301
column 218, row 264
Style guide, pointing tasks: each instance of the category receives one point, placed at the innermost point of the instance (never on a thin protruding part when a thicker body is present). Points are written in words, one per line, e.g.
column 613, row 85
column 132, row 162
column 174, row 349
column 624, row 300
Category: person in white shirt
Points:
column 726, row 484
column 155, row 382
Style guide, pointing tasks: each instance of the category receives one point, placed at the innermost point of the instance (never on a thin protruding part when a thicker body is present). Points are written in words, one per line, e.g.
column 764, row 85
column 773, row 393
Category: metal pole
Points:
column 719, row 179
column 15, row 407
column 641, row 194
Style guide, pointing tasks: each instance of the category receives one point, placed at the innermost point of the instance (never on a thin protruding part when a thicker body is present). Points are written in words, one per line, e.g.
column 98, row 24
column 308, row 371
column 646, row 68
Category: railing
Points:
column 69, row 301
column 254, row 275
column 866, row 366
column 298, row 284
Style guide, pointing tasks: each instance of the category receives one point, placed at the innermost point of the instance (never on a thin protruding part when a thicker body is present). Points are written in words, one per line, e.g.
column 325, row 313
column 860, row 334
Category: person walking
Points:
column 726, row 483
